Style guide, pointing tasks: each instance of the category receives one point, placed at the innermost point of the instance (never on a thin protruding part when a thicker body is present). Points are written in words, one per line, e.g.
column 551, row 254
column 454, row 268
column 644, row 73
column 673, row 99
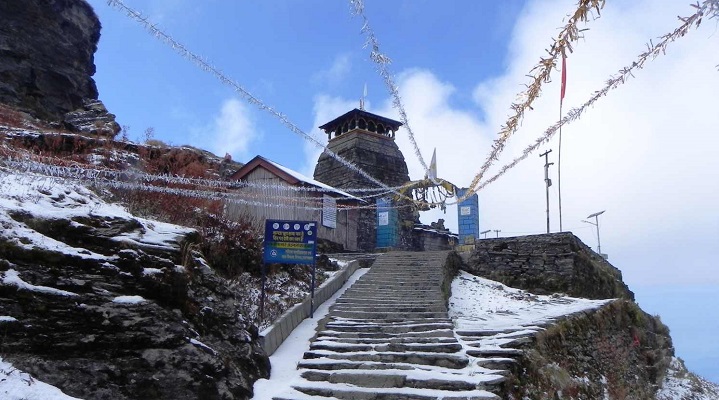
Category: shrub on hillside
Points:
column 231, row 246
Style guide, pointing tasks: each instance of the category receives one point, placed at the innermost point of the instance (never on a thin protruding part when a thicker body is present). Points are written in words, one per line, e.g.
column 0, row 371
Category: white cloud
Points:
column 339, row 70
column 232, row 130
column 645, row 153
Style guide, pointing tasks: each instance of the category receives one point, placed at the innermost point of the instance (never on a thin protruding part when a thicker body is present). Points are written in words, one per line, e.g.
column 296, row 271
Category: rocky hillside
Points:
column 105, row 305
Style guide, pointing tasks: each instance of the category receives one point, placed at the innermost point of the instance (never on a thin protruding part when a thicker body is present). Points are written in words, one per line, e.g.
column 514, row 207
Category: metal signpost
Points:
column 289, row 242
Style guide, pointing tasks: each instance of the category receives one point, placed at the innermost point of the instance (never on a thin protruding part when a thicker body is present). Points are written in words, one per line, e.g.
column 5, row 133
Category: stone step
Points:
column 395, row 295
column 391, row 340
column 386, row 347
column 350, row 392
column 396, row 298
column 482, row 333
column 418, row 278
column 389, row 328
column 394, row 291
column 496, row 363
column 401, row 321
column 409, row 275
column 380, row 303
column 385, row 335
column 453, row 361
column 494, row 352
column 515, row 342
column 402, row 378
column 328, row 364
column 407, row 290
column 380, row 315
column 388, row 308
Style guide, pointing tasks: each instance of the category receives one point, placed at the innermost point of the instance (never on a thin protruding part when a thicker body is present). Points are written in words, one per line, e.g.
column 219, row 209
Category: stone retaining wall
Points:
column 546, row 264
column 272, row 337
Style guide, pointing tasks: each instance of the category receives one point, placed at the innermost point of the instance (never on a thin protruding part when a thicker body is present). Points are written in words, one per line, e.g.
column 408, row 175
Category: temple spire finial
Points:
column 364, row 94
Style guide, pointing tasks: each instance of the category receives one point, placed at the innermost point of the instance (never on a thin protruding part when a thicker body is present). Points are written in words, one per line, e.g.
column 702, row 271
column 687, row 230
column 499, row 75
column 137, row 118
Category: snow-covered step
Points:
column 379, row 315
column 403, row 378
column 397, row 308
column 351, row 392
column 397, row 339
column 328, row 364
column 421, row 358
column 369, row 335
column 387, row 347
column 494, row 352
column 389, row 328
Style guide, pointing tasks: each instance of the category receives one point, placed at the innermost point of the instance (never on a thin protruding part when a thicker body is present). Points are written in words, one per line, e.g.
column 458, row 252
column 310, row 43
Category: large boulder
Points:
column 47, row 52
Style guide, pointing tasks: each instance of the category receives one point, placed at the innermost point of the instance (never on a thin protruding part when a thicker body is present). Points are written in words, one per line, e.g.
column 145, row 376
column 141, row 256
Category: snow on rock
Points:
column 101, row 296
column 17, row 385
column 680, row 384
column 203, row 346
column 129, row 299
column 51, row 199
column 481, row 303
column 12, row 278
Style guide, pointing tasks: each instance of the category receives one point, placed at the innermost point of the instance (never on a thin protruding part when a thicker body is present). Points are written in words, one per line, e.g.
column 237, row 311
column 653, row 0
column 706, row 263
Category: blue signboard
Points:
column 290, row 242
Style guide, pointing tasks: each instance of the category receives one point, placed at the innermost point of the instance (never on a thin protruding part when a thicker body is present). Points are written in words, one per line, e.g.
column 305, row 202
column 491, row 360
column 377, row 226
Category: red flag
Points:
column 564, row 78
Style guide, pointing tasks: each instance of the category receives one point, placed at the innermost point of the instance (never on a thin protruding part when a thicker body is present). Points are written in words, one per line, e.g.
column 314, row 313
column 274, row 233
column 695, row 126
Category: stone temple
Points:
column 367, row 141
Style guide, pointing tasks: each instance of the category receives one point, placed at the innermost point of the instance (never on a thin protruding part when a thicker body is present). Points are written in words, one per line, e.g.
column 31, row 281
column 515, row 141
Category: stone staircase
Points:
column 389, row 337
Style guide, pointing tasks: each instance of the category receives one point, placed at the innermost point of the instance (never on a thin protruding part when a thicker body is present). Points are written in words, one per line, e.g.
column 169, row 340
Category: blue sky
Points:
column 645, row 153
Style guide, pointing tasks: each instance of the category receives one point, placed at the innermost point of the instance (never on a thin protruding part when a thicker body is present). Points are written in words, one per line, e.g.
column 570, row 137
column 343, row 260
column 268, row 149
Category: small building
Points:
column 274, row 191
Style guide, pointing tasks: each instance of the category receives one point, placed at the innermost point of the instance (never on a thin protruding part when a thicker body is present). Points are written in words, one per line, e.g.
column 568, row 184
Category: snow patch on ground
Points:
column 479, row 303
column 17, row 385
column 56, row 199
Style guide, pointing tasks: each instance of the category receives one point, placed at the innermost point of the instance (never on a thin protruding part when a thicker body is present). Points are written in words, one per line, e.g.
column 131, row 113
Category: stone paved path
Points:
column 389, row 337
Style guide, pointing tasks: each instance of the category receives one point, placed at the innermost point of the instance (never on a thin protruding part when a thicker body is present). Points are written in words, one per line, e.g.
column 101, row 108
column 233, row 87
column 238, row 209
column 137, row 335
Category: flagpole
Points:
column 559, row 156
column 559, row 167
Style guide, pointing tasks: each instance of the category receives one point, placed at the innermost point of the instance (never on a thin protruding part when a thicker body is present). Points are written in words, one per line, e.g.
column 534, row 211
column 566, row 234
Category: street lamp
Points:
column 596, row 223
column 485, row 233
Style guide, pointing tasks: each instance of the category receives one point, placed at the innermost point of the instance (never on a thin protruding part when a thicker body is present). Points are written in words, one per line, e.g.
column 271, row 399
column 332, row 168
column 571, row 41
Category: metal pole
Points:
column 262, row 295
column 596, row 223
column 599, row 242
column 547, row 181
column 312, row 296
column 497, row 231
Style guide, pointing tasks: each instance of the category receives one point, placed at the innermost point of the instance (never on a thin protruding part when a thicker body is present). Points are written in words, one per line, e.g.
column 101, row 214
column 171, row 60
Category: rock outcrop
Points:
column 617, row 352
column 47, row 52
column 104, row 305
column 546, row 264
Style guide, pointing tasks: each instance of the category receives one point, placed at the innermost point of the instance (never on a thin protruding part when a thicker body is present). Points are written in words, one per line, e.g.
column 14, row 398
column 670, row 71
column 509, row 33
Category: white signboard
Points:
column 465, row 210
column 383, row 218
column 329, row 211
